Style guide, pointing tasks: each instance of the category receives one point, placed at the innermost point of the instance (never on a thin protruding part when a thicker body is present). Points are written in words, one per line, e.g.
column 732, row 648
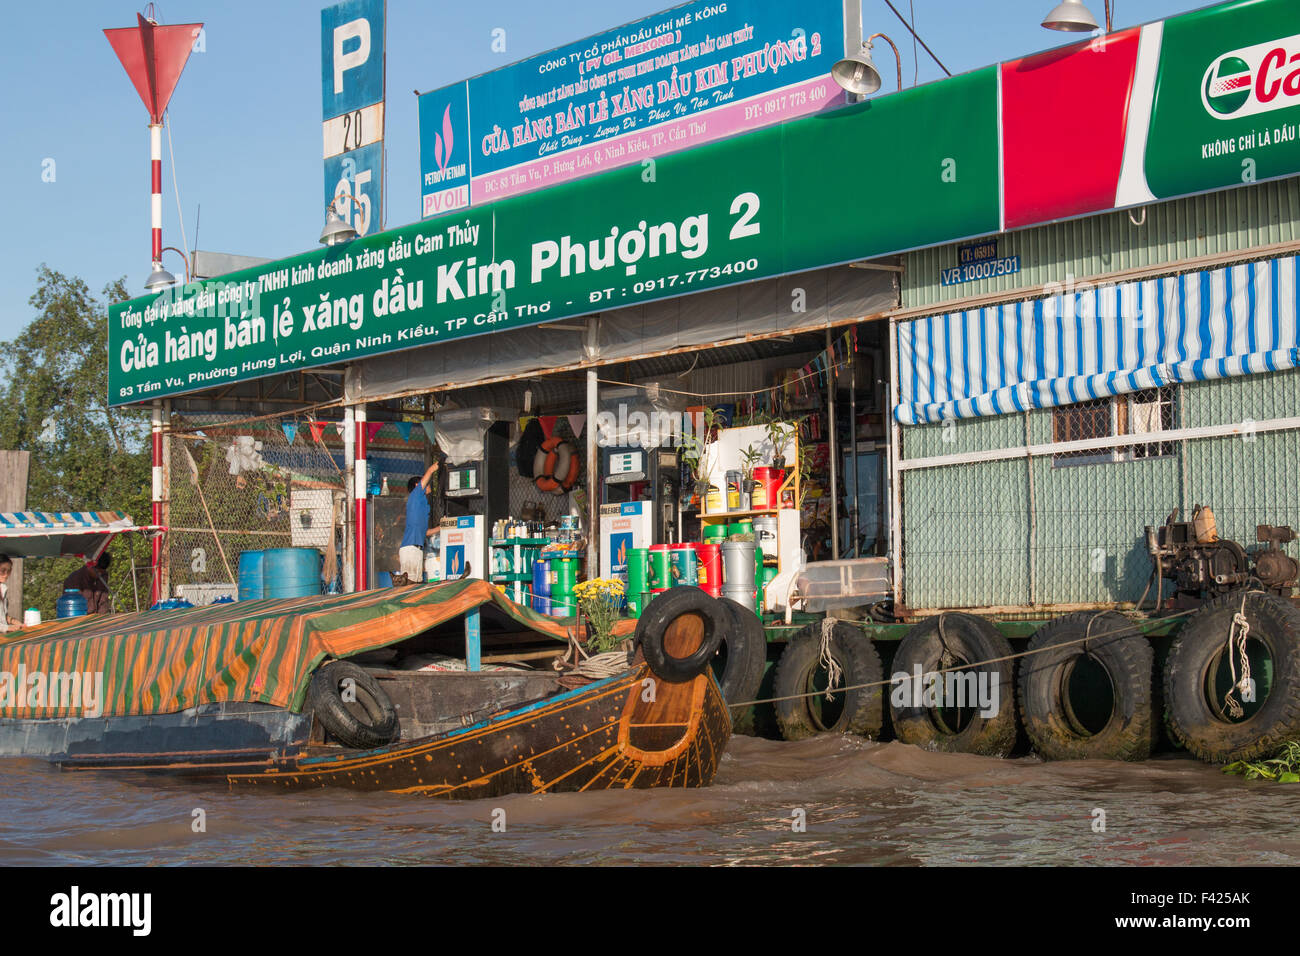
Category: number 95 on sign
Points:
column 354, row 185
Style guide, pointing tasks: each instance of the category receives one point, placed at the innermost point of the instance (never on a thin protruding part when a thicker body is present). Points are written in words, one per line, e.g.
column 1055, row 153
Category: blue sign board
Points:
column 693, row 74
column 351, row 56
column 352, row 97
column 360, row 175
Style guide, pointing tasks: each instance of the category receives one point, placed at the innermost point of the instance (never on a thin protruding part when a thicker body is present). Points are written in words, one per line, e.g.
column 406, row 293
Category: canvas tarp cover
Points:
column 704, row 319
column 253, row 651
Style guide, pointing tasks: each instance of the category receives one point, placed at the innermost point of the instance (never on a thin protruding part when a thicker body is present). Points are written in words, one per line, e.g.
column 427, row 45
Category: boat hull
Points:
column 632, row 731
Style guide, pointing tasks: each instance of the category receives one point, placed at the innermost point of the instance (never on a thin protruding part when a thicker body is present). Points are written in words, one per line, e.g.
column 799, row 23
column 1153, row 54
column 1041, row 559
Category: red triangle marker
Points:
column 153, row 57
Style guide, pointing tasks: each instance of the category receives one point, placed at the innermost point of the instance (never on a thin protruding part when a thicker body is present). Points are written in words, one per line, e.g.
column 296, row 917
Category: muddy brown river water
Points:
column 858, row 803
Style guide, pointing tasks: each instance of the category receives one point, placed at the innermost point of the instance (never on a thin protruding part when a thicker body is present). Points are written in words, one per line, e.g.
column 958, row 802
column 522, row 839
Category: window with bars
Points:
column 1148, row 411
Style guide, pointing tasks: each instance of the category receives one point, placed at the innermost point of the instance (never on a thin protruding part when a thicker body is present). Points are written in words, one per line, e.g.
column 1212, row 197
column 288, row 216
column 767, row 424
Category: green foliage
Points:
column 1283, row 767
column 84, row 456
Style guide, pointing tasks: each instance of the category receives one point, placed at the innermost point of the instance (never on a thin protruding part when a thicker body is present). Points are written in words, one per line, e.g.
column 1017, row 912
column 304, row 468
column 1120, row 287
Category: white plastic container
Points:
column 32, row 617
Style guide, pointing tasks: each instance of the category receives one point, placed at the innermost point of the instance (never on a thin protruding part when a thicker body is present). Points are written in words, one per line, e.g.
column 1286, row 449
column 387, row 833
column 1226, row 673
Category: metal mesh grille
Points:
column 284, row 494
column 1147, row 411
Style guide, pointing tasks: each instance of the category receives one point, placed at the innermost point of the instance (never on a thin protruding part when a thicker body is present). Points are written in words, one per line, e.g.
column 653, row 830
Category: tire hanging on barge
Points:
column 938, row 643
column 1206, row 715
column 679, row 632
column 339, row 705
column 744, row 652
column 799, row 673
column 1062, row 697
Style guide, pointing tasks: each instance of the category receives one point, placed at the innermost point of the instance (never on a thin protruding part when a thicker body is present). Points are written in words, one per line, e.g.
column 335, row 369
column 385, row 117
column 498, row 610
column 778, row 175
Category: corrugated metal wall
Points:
column 1230, row 221
column 966, row 528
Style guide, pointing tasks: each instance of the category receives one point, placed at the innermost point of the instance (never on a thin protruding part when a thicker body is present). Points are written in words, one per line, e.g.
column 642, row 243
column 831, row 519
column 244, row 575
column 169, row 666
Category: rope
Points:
column 1238, row 630
column 828, row 661
column 1132, row 628
column 946, row 658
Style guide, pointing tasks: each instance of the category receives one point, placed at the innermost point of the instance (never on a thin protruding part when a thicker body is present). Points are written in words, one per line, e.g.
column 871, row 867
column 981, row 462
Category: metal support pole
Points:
column 830, row 408
column 895, row 488
column 155, row 199
column 165, row 578
column 593, row 478
column 361, row 530
column 853, row 450
column 156, row 437
column 349, row 490
column 473, row 642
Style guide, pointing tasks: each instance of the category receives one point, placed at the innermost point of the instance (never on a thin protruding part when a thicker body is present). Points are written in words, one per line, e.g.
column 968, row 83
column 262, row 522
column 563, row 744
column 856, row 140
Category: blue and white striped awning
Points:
column 51, row 534
column 1078, row 345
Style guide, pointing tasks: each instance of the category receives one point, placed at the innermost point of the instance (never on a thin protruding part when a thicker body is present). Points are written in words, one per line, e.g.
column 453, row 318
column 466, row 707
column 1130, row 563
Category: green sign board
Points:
column 1227, row 98
column 901, row 172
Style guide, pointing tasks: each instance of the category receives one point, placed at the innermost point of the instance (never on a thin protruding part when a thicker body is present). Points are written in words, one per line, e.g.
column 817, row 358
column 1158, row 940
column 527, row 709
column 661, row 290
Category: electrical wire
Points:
column 185, row 242
column 918, row 38
column 916, row 64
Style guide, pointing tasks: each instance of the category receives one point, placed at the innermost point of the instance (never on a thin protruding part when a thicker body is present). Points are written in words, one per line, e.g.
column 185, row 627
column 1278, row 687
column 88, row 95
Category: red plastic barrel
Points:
column 769, row 480
column 708, row 567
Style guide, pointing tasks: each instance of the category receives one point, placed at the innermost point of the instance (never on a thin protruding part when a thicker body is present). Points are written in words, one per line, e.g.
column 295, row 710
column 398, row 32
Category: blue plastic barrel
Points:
column 71, row 604
column 250, row 576
column 291, row 572
column 542, row 586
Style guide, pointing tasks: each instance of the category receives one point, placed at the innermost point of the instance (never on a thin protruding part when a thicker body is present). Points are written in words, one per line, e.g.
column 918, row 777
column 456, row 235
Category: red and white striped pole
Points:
column 361, row 531
column 155, row 176
column 156, row 434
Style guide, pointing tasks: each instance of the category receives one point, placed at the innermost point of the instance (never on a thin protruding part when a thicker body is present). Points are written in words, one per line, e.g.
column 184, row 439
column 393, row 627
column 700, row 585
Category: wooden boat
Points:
column 245, row 691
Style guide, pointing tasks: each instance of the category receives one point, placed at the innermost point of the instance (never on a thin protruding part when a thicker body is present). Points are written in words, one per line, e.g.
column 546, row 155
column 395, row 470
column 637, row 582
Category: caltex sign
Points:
column 1258, row 79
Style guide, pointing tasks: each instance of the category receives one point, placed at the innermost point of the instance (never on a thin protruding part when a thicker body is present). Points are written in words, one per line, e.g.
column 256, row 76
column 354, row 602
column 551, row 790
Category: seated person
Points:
column 92, row 582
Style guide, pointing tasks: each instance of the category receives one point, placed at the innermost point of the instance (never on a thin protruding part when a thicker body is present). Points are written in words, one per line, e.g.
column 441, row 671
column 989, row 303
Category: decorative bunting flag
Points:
column 317, row 430
column 429, row 432
column 548, row 423
column 404, row 429
column 372, row 429
column 290, row 430
column 577, row 423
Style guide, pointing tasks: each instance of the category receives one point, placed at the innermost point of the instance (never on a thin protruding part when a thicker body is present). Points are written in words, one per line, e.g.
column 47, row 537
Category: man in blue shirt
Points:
column 411, row 553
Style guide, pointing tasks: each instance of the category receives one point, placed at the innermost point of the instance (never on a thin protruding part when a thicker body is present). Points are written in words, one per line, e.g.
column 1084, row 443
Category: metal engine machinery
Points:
column 1201, row 564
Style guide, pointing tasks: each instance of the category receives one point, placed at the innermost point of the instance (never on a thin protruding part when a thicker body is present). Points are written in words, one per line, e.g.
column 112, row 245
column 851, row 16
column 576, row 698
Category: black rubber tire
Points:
column 862, row 709
column 971, row 639
column 660, row 613
column 745, row 644
column 1045, row 707
column 343, row 724
column 1197, row 723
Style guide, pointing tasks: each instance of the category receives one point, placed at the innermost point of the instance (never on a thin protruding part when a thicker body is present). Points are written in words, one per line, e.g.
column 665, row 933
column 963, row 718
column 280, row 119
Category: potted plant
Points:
column 599, row 600
column 748, row 459
column 778, row 434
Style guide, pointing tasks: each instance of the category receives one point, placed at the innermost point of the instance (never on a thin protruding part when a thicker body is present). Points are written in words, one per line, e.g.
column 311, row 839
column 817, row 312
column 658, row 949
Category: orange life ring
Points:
column 556, row 466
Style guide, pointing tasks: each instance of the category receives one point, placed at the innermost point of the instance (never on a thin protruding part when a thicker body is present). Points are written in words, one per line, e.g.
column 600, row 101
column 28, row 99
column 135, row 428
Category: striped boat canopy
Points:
column 167, row 661
column 1089, row 342
column 51, row 534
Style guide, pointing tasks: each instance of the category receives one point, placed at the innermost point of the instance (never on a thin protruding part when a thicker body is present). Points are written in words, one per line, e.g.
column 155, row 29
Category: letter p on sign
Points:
column 358, row 30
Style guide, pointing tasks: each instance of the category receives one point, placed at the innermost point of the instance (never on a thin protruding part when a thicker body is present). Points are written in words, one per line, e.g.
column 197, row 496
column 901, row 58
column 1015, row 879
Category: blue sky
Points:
column 245, row 120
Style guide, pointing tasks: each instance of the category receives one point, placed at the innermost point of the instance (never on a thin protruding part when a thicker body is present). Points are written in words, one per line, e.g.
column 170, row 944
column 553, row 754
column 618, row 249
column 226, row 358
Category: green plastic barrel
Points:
column 682, row 557
column 714, row 533
column 638, row 565
column 660, row 573
column 563, row 603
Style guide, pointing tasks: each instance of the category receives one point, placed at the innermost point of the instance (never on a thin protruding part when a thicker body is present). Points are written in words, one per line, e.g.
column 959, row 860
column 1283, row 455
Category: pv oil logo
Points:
column 1253, row 80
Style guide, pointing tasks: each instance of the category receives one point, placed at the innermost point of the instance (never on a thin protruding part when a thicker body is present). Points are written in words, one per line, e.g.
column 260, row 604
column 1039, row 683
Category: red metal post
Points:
column 361, row 535
column 156, row 436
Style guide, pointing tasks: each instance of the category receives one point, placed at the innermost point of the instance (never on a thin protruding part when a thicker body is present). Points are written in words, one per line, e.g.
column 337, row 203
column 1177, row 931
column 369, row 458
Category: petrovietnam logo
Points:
column 1255, row 79
column 443, row 143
